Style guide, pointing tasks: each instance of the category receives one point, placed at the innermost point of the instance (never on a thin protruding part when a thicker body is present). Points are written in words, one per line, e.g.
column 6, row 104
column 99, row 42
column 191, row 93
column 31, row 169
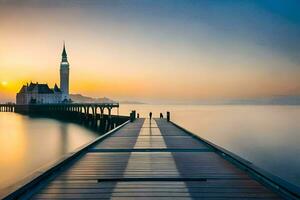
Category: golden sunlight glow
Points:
column 4, row 83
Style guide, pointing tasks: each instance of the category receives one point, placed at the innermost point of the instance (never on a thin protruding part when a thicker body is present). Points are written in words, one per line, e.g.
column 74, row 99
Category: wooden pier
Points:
column 95, row 116
column 152, row 160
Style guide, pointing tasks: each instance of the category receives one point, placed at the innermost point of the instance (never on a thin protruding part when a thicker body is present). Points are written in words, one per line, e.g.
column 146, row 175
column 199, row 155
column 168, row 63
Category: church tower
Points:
column 64, row 75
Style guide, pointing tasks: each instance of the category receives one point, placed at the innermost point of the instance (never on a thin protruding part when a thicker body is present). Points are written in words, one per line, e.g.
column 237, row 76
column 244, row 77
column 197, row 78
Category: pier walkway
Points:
column 152, row 160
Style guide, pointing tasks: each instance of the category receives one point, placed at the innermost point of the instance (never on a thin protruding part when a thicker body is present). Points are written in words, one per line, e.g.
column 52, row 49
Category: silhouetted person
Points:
column 161, row 115
column 138, row 115
column 150, row 115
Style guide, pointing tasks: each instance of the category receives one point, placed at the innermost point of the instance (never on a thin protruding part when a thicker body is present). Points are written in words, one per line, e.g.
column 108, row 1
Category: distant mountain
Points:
column 78, row 98
column 273, row 100
column 131, row 102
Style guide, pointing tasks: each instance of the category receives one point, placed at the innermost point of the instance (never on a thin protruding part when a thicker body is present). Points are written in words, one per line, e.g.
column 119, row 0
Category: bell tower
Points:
column 64, row 75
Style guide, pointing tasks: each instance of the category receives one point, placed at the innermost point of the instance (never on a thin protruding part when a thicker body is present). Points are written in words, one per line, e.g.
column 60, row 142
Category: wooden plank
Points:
column 174, row 142
column 152, row 164
column 149, row 136
column 178, row 167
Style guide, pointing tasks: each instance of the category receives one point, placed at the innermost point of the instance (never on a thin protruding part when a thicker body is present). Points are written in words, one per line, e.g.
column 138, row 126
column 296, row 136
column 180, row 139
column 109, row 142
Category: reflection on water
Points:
column 268, row 136
column 27, row 144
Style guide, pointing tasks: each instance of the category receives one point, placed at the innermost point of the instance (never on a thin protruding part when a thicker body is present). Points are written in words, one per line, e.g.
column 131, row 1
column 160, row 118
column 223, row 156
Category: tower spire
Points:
column 64, row 54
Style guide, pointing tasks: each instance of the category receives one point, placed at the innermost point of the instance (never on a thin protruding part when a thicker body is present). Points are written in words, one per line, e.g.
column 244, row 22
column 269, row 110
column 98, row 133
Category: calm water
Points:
column 27, row 144
column 268, row 136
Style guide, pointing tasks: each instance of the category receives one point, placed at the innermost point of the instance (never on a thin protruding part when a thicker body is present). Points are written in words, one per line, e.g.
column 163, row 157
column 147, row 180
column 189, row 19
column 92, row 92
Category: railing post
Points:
column 168, row 116
column 132, row 116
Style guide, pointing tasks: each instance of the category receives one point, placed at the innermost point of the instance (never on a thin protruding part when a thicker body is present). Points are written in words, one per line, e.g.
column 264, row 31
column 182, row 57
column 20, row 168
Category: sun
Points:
column 4, row 83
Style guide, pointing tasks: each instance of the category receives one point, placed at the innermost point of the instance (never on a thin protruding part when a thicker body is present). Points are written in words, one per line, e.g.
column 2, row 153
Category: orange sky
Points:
column 134, row 56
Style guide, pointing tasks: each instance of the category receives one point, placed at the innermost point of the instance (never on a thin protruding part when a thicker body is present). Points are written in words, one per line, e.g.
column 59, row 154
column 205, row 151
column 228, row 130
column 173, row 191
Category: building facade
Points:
column 35, row 93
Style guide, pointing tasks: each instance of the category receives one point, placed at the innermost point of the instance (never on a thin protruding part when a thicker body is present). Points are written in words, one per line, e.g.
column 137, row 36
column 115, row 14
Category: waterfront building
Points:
column 36, row 93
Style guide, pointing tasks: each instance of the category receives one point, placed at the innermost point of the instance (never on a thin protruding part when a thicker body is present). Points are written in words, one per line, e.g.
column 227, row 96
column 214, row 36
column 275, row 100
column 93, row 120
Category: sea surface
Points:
column 267, row 136
column 27, row 144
